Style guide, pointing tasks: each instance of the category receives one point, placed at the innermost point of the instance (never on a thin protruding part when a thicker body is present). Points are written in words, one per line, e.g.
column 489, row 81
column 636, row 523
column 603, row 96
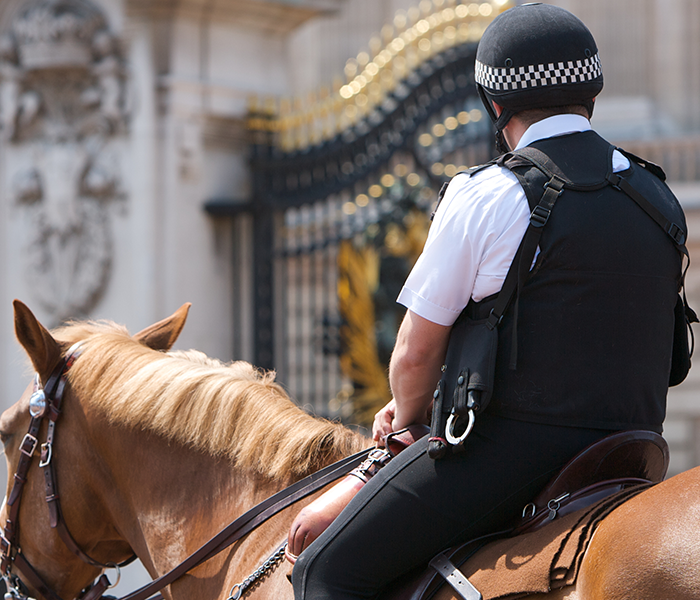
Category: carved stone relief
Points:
column 63, row 104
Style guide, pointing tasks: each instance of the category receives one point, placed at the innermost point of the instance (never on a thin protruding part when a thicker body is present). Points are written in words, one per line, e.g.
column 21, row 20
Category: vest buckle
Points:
column 676, row 233
column 539, row 216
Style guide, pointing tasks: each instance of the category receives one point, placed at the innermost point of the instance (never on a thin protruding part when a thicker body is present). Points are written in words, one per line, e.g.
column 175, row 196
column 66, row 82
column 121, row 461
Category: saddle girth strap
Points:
column 452, row 575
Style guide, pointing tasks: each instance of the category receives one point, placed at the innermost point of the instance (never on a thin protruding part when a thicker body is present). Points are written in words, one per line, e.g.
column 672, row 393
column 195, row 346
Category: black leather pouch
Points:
column 470, row 365
column 466, row 385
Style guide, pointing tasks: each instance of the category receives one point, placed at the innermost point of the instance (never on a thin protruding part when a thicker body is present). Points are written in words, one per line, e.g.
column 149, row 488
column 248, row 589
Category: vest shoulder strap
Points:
column 471, row 171
column 647, row 165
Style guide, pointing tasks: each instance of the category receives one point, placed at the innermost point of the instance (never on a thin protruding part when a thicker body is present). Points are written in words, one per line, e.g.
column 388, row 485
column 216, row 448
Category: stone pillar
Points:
column 65, row 109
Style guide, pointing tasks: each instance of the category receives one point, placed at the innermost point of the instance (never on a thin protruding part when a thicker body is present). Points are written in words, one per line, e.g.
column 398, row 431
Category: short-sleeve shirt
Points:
column 476, row 231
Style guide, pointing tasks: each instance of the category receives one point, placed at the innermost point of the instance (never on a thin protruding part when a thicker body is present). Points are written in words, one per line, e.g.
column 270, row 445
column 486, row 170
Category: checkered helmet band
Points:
column 542, row 75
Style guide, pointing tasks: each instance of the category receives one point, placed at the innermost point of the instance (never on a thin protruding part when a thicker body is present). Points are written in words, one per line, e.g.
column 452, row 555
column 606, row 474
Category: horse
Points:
column 159, row 450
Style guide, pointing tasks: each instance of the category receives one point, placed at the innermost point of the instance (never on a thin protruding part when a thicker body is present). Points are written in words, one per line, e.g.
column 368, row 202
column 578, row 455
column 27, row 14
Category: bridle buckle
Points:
column 46, row 454
column 13, row 585
column 28, row 445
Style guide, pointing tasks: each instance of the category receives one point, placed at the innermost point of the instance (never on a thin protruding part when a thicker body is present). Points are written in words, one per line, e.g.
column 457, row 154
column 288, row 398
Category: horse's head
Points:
column 70, row 461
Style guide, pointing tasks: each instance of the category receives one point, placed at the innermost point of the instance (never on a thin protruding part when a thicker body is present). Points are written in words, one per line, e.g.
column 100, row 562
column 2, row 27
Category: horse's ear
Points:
column 163, row 334
column 43, row 350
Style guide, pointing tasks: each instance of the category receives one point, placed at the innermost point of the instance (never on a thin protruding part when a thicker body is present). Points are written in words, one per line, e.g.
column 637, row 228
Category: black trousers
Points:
column 415, row 507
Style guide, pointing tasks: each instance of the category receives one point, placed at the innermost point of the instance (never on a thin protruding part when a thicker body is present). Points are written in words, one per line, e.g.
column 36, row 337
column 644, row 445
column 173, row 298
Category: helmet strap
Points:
column 501, row 145
column 589, row 104
column 499, row 121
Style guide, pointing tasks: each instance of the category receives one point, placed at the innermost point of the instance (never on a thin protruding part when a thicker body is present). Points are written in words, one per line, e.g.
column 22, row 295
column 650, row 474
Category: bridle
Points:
column 45, row 403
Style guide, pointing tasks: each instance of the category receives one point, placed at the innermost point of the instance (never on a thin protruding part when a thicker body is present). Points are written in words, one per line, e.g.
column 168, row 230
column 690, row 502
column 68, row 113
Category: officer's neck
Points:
column 513, row 131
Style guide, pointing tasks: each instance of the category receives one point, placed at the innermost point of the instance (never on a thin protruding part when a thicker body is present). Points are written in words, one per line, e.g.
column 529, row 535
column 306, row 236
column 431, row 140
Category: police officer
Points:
column 593, row 329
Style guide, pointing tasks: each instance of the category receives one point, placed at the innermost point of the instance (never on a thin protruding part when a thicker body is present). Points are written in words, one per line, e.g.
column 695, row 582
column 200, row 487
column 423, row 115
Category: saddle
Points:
column 559, row 522
column 616, row 462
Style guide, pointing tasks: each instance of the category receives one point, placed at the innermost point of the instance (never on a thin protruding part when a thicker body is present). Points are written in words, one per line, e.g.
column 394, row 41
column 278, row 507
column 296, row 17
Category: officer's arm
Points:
column 415, row 367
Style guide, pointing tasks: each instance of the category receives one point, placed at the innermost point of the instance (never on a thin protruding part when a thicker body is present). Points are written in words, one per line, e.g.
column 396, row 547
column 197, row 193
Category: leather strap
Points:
column 97, row 589
column 27, row 449
column 455, row 578
column 520, row 267
column 251, row 519
column 9, row 542
column 33, row 578
column 674, row 231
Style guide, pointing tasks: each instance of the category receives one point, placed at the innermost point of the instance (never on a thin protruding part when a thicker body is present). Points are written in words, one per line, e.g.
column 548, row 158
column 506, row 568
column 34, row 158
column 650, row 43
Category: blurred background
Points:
column 276, row 163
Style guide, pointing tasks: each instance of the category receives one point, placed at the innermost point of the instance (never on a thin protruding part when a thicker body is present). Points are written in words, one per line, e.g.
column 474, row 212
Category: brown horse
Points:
column 157, row 452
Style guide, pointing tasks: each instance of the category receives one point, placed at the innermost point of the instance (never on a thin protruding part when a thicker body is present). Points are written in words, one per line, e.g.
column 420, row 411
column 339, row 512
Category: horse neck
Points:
column 168, row 500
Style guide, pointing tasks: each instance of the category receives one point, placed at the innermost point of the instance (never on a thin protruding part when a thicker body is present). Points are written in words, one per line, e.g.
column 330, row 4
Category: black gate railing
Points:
column 338, row 223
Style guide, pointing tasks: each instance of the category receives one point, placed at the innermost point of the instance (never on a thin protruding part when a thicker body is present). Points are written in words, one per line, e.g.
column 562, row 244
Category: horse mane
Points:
column 227, row 410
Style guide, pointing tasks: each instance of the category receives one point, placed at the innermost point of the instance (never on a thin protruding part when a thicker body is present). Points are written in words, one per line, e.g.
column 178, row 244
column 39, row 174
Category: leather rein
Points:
column 45, row 403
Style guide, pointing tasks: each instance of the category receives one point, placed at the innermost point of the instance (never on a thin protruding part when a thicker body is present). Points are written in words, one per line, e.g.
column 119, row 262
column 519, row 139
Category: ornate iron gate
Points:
column 342, row 191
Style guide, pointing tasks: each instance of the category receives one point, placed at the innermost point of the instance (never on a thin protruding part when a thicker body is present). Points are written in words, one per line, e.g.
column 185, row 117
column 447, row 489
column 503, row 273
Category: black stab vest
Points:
column 596, row 315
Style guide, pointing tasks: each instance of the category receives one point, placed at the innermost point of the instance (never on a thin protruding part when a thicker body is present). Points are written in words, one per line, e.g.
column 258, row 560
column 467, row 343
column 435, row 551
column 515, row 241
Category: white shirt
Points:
column 476, row 231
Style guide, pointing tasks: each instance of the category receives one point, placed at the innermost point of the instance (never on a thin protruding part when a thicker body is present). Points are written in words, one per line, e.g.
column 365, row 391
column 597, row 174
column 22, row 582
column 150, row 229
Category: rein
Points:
column 46, row 403
column 251, row 519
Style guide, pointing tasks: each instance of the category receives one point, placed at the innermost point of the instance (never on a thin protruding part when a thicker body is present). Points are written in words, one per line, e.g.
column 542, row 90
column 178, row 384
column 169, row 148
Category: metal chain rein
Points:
column 239, row 589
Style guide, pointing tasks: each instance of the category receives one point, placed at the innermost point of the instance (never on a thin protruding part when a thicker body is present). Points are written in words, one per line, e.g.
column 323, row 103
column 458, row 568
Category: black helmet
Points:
column 536, row 56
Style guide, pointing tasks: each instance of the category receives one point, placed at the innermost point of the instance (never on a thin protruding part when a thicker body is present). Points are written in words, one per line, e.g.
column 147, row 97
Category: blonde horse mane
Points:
column 234, row 411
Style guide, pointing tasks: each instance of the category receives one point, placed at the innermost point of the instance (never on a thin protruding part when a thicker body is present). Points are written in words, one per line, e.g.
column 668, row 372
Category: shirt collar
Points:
column 553, row 126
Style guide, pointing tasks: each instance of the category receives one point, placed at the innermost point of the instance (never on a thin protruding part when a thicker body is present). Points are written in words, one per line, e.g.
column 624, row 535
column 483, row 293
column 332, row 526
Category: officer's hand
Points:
column 382, row 421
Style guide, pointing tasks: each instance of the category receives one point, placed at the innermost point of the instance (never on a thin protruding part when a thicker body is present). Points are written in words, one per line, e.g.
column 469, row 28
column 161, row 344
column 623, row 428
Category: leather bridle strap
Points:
column 9, row 544
column 33, row 578
column 9, row 541
column 10, row 536
column 251, row 519
column 96, row 590
column 57, row 521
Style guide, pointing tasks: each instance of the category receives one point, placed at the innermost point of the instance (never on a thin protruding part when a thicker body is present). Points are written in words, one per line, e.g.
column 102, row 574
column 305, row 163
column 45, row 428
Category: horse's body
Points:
column 156, row 453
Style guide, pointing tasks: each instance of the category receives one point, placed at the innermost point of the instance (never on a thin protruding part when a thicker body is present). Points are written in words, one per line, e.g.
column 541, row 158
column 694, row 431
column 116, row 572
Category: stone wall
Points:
column 649, row 49
column 118, row 121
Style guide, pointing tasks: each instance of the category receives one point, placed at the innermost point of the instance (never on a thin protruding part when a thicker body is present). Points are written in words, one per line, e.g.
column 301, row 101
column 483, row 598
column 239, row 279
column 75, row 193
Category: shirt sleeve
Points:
column 471, row 243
